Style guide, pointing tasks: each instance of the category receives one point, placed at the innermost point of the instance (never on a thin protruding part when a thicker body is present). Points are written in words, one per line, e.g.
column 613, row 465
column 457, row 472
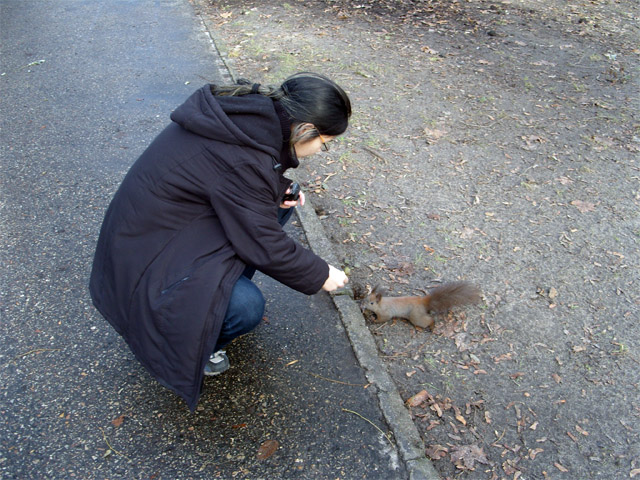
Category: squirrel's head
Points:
column 372, row 301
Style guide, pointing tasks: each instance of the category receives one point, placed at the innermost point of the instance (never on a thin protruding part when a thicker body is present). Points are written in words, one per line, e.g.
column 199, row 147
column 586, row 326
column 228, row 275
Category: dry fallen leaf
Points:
column 532, row 141
column 541, row 63
column 462, row 341
column 561, row 468
column 565, row 180
column 582, row 431
column 584, row 207
column 429, row 50
column 118, row 421
column 503, row 357
column 533, row 453
column 418, row 398
column 634, row 472
column 465, row 456
column 267, row 449
column 572, row 437
column 467, row 232
column 432, row 424
column 509, row 468
column 436, row 452
column 433, row 135
column 458, row 415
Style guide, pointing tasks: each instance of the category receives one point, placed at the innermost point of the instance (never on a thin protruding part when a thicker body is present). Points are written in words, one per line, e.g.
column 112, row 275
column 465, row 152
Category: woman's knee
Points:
column 247, row 302
column 255, row 307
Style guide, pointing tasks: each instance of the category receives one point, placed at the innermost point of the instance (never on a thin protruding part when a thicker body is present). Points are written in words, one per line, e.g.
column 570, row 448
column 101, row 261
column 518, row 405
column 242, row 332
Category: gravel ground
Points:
column 495, row 142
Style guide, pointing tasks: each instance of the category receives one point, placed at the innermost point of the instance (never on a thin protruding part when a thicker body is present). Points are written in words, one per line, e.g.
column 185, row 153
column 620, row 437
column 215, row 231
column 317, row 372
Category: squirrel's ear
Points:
column 377, row 292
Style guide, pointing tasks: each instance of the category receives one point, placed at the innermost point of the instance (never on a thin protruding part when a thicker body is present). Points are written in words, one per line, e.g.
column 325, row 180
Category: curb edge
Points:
column 408, row 441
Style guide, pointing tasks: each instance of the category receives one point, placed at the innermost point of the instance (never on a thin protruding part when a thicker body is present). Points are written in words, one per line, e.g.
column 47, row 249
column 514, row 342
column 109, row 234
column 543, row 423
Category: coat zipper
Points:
column 174, row 285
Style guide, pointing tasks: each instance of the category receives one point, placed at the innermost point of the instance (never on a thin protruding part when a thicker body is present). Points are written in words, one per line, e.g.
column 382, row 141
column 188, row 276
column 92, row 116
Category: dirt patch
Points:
column 495, row 142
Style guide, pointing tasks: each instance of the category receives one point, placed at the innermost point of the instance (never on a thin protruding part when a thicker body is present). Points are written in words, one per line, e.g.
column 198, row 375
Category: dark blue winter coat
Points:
column 197, row 207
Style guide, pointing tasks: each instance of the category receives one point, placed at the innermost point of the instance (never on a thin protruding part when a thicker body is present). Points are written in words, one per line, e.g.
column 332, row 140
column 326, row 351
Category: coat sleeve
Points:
column 245, row 201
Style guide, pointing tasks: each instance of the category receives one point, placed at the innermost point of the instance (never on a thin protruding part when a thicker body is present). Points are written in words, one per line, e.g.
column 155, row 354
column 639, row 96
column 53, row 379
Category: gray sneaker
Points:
column 217, row 364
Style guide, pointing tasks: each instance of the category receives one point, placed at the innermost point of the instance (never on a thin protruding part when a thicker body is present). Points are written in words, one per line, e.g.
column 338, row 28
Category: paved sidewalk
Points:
column 86, row 86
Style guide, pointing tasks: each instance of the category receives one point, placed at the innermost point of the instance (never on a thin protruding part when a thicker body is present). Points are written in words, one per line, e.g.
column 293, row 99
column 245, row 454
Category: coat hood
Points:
column 249, row 121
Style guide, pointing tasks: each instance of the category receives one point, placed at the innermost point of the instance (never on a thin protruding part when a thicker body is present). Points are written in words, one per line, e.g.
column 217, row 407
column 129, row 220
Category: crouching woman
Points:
column 199, row 212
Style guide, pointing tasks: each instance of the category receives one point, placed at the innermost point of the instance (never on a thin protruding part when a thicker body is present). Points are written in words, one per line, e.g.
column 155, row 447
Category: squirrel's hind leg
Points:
column 422, row 320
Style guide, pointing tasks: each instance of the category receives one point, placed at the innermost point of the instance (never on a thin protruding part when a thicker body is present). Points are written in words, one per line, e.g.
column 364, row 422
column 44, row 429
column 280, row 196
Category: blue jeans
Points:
column 246, row 305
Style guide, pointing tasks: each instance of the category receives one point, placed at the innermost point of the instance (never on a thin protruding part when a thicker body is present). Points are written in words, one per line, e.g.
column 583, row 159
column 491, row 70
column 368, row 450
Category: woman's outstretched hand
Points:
column 337, row 279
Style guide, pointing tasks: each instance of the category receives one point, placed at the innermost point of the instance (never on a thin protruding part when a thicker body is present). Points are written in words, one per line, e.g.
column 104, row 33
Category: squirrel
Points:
column 416, row 309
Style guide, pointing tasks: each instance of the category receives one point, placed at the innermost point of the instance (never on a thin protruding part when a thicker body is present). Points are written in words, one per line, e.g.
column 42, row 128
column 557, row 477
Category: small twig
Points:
column 32, row 352
column 414, row 350
column 474, row 125
column 383, row 324
column 367, row 420
column 205, row 464
column 106, row 440
column 395, row 355
column 32, row 64
column 486, row 125
column 36, row 350
column 600, row 117
column 375, row 154
column 336, row 381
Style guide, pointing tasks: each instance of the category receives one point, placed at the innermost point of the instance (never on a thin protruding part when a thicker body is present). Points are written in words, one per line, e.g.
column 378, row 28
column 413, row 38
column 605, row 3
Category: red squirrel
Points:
column 416, row 309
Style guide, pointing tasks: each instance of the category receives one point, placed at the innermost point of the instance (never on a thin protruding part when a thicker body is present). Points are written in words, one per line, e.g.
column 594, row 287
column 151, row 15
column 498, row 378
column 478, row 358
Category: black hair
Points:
column 308, row 98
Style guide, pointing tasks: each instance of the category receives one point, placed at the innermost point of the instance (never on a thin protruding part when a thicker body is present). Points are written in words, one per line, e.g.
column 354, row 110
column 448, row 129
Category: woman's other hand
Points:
column 337, row 279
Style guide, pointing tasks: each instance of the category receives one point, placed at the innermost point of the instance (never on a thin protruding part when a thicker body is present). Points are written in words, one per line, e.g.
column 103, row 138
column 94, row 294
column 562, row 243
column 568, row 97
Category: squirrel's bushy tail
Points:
column 452, row 294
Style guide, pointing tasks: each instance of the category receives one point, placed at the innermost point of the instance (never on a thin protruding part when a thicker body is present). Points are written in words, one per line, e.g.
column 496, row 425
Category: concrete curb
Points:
column 408, row 440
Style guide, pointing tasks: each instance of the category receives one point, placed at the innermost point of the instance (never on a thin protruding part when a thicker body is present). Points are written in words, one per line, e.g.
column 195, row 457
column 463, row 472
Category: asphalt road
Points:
column 84, row 87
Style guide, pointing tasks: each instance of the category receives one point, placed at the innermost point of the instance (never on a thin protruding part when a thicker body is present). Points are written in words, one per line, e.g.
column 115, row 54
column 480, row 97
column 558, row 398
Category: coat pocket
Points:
column 174, row 306
column 174, row 285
